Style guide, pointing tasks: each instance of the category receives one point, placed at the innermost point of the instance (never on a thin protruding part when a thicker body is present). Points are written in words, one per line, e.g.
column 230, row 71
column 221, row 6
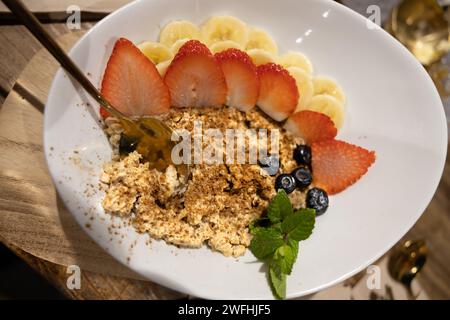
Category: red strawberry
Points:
column 241, row 78
column 103, row 113
column 278, row 93
column 338, row 164
column 194, row 77
column 132, row 84
column 311, row 126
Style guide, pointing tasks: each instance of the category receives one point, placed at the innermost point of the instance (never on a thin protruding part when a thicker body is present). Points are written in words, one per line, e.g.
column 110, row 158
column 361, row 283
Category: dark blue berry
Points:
column 127, row 144
column 285, row 182
column 302, row 177
column 302, row 154
column 271, row 164
column 317, row 199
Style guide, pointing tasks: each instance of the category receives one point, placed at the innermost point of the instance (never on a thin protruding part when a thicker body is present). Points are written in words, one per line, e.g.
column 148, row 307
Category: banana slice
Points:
column 304, row 84
column 260, row 56
column 176, row 30
column 330, row 106
column 156, row 52
column 177, row 45
column 162, row 67
column 326, row 85
column 224, row 45
column 295, row 59
column 259, row 39
column 220, row 28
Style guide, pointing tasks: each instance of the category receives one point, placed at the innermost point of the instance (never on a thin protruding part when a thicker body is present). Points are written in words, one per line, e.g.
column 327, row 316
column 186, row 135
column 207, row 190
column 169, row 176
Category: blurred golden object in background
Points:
column 440, row 74
column 422, row 27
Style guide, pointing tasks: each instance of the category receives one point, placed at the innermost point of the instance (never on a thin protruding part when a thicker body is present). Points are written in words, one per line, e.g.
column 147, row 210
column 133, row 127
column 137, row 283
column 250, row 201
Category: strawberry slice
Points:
column 338, row 164
column 194, row 77
column 278, row 93
column 132, row 84
column 311, row 126
column 241, row 78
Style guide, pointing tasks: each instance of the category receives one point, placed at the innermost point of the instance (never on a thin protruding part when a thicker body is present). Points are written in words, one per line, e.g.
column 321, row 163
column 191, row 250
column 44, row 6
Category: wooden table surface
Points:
column 18, row 47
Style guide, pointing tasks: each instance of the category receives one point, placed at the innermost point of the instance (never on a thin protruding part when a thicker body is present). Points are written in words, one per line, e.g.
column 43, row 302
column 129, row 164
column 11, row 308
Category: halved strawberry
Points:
column 278, row 93
column 338, row 164
column 194, row 77
column 132, row 84
column 311, row 126
column 241, row 78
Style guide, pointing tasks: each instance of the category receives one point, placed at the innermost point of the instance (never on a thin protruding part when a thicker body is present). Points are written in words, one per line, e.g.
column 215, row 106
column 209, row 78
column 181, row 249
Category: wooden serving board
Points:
column 32, row 217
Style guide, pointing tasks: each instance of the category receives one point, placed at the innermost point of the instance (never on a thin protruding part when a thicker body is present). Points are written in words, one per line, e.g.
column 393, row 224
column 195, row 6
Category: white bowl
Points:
column 393, row 108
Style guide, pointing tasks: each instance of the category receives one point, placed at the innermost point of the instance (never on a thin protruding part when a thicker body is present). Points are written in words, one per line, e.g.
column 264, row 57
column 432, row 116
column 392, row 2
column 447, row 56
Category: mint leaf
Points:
column 258, row 224
column 284, row 258
column 299, row 225
column 285, row 205
column 265, row 242
column 277, row 281
column 294, row 246
column 280, row 207
column 277, row 226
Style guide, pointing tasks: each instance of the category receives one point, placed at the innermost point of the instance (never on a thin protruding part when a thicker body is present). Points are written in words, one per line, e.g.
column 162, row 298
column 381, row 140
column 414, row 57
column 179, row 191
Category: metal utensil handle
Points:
column 35, row 27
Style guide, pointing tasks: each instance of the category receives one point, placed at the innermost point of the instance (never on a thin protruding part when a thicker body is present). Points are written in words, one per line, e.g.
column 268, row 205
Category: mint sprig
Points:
column 275, row 239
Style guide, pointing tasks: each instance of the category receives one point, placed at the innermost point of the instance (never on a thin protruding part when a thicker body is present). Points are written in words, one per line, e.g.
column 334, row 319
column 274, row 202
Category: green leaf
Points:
column 258, row 224
column 299, row 225
column 294, row 246
column 280, row 207
column 277, row 281
column 284, row 258
column 285, row 205
column 265, row 242
column 277, row 226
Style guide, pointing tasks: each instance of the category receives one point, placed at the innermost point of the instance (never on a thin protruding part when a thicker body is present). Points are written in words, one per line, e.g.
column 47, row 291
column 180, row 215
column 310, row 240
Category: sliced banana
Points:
column 177, row 45
column 295, row 59
column 176, row 30
column 224, row 45
column 326, row 85
column 259, row 39
column 330, row 106
column 304, row 84
column 220, row 28
column 162, row 67
column 155, row 51
column 260, row 56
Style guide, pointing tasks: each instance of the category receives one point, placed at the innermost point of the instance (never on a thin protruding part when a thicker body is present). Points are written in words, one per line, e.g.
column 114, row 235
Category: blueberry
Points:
column 302, row 154
column 317, row 199
column 271, row 164
column 302, row 177
column 127, row 144
column 285, row 182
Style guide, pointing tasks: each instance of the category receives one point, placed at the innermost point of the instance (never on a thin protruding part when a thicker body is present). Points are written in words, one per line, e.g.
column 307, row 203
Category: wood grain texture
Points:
column 62, row 5
column 96, row 286
column 17, row 49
